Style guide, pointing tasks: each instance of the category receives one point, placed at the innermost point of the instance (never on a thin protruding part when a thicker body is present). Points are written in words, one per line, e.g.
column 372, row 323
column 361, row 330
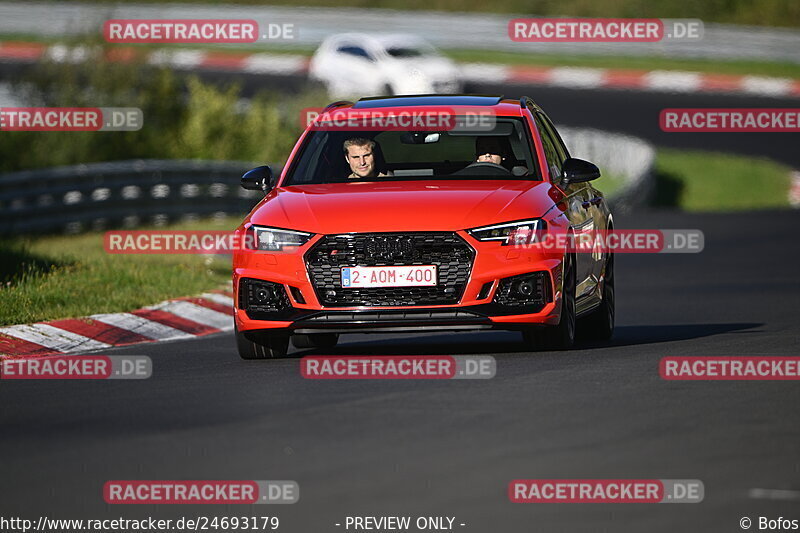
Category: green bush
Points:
column 184, row 118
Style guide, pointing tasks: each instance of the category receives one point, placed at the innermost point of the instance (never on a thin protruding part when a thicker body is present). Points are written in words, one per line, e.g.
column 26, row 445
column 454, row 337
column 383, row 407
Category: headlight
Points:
column 514, row 233
column 274, row 239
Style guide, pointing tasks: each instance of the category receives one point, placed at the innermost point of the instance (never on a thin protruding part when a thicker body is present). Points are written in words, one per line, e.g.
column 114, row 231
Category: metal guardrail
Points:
column 128, row 194
column 124, row 194
column 630, row 158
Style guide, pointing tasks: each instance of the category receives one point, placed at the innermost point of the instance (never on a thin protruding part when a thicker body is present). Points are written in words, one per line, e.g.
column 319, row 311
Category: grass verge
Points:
column 47, row 278
column 708, row 181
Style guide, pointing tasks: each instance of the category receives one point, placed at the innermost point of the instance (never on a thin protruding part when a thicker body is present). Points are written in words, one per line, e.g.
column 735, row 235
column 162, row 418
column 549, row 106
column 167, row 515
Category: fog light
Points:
column 261, row 296
column 528, row 290
column 525, row 288
column 264, row 295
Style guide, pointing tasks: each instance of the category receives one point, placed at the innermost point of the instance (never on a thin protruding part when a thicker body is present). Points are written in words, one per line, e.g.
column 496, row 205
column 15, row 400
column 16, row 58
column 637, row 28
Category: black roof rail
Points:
column 372, row 102
column 340, row 103
column 525, row 101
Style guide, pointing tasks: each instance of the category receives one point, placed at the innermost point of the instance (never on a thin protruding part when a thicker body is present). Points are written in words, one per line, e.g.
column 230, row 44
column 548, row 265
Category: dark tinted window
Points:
column 555, row 137
column 403, row 52
column 434, row 154
column 354, row 51
column 555, row 156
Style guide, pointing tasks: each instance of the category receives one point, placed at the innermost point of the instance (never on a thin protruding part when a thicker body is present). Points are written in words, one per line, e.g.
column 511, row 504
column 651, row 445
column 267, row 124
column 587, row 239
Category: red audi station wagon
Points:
column 392, row 229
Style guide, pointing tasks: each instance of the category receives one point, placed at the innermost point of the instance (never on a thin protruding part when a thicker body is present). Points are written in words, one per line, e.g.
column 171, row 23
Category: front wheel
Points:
column 599, row 325
column 561, row 336
column 262, row 344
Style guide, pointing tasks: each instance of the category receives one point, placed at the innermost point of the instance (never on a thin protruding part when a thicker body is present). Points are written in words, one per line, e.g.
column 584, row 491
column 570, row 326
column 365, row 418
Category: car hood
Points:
column 402, row 205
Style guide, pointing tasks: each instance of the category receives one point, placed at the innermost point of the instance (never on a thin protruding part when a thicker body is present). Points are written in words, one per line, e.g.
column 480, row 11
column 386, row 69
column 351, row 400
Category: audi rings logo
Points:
column 390, row 248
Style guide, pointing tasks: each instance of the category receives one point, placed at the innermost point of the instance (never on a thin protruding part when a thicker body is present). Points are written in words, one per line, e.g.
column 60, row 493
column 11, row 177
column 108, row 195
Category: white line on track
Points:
column 142, row 326
column 269, row 63
column 673, row 80
column 197, row 313
column 577, row 77
column 53, row 338
column 767, row 86
column 218, row 298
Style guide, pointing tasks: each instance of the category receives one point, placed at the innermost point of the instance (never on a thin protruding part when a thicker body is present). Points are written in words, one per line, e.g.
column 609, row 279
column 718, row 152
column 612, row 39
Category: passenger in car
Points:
column 360, row 154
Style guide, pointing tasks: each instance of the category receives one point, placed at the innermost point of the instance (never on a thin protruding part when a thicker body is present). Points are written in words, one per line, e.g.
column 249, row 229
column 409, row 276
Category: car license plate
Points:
column 389, row 276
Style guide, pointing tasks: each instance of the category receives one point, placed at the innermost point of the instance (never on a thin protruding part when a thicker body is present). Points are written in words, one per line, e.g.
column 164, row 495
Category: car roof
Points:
column 499, row 105
column 380, row 38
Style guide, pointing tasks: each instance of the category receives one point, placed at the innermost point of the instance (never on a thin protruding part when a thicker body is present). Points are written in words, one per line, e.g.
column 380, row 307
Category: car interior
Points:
column 410, row 155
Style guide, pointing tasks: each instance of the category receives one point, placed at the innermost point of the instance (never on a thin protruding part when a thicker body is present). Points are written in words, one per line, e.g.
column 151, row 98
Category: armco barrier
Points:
column 128, row 194
column 628, row 158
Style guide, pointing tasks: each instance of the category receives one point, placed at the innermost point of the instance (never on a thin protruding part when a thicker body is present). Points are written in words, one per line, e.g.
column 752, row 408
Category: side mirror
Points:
column 258, row 179
column 578, row 171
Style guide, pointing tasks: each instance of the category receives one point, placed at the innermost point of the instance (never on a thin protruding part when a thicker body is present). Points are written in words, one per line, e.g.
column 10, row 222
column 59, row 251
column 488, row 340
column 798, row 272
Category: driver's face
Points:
column 490, row 158
column 361, row 160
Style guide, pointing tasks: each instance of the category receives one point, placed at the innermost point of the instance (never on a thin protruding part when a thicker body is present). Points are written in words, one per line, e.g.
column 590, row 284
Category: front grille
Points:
column 452, row 256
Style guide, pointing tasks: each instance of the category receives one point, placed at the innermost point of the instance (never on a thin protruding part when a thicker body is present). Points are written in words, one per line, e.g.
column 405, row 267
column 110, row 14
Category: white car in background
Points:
column 358, row 64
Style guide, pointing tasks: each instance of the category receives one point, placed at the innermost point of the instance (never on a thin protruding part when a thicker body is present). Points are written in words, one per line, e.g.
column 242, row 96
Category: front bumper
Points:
column 486, row 302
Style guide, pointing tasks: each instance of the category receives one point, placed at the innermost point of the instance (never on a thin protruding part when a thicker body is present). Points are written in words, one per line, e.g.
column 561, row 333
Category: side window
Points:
column 555, row 159
column 354, row 51
column 556, row 138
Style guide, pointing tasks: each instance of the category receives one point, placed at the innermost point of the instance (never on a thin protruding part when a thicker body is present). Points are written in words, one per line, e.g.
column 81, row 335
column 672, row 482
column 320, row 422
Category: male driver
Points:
column 489, row 150
column 360, row 155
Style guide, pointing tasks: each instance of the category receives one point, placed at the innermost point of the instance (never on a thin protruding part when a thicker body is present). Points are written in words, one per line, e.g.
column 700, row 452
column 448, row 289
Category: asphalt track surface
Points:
column 451, row 448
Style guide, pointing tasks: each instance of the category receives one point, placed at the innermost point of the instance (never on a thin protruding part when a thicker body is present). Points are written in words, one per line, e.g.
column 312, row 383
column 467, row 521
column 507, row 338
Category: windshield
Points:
column 404, row 51
column 331, row 156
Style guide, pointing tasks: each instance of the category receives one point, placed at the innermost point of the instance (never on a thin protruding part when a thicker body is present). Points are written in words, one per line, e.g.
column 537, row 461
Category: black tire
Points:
column 599, row 325
column 316, row 341
column 561, row 336
column 262, row 344
column 387, row 90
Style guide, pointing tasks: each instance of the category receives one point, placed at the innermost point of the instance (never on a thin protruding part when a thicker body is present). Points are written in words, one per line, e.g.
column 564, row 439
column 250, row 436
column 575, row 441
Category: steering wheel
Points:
column 482, row 168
